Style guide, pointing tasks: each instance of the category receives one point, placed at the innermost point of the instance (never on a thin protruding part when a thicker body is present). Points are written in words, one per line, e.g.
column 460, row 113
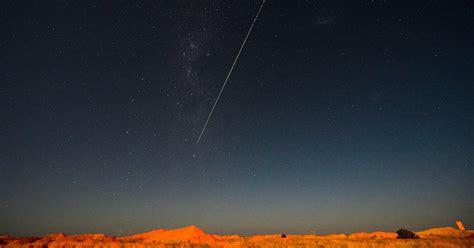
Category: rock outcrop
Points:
column 192, row 236
column 405, row 234
column 443, row 232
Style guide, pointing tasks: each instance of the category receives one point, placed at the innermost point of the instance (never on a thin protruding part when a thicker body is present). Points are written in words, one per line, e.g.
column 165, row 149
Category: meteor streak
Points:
column 230, row 72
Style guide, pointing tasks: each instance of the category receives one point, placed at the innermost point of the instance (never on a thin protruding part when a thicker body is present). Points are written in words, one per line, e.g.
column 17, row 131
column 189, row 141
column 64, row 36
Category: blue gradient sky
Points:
column 339, row 117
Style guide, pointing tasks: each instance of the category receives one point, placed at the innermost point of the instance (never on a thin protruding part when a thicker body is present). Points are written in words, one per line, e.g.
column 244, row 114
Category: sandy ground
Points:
column 194, row 237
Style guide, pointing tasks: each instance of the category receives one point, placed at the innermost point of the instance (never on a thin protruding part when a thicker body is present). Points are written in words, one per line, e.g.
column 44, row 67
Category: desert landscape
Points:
column 192, row 236
column 236, row 123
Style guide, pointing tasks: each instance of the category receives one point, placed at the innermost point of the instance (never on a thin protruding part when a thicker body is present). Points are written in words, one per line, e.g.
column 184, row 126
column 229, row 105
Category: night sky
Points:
column 340, row 116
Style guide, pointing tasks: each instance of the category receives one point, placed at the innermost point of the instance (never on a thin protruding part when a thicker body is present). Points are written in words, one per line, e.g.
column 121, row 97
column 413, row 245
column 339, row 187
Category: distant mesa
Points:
column 446, row 232
column 53, row 236
column 191, row 234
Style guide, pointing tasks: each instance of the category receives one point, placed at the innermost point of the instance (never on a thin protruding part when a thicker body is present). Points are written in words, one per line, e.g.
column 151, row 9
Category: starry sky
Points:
column 340, row 116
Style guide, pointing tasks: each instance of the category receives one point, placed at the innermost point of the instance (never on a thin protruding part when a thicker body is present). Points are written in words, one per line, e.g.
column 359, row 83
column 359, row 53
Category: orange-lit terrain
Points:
column 192, row 236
